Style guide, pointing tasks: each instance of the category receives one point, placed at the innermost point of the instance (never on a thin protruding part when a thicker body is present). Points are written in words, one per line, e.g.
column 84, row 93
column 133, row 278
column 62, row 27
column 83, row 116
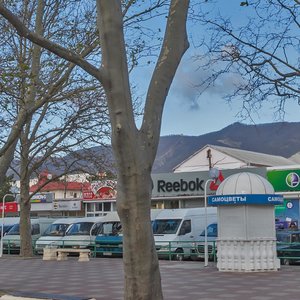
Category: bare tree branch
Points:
column 51, row 46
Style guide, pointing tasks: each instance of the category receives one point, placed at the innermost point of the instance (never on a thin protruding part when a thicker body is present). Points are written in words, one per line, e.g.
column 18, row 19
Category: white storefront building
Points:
column 196, row 169
column 182, row 188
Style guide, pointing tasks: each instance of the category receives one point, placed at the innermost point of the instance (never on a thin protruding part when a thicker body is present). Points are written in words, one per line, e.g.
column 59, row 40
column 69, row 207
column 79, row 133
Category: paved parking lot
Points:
column 102, row 278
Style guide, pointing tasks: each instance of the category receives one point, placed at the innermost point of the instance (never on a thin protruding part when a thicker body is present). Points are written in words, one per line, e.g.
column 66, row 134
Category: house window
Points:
column 99, row 209
column 90, row 207
column 106, row 206
column 98, row 206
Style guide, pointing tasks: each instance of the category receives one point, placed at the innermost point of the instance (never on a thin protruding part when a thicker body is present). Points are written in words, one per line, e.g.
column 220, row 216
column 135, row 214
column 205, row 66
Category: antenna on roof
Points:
column 209, row 156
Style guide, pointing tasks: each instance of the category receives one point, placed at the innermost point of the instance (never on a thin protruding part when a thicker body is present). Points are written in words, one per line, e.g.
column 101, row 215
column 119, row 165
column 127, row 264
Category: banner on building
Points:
column 42, row 198
column 192, row 183
column 105, row 189
column 284, row 180
column 9, row 207
column 67, row 205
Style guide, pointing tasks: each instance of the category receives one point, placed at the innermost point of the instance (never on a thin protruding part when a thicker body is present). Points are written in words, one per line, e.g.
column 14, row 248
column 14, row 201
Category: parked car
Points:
column 11, row 241
column 109, row 239
column 288, row 246
column 8, row 223
column 198, row 250
column 53, row 234
column 175, row 230
column 81, row 234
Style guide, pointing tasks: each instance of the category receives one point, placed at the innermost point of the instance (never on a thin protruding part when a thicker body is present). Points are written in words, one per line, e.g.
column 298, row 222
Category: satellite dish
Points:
column 214, row 173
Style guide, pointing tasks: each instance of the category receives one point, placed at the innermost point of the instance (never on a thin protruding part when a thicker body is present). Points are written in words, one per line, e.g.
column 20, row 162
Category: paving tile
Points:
column 102, row 278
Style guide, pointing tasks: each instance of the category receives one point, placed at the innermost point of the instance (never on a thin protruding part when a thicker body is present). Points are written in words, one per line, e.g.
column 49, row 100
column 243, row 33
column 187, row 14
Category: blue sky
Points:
column 189, row 114
column 186, row 113
column 210, row 112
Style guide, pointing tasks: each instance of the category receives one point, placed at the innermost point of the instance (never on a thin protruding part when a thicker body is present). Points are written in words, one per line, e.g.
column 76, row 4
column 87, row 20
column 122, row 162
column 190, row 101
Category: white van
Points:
column 82, row 233
column 109, row 239
column 198, row 251
column 54, row 233
column 110, row 225
column 11, row 241
column 175, row 230
column 8, row 224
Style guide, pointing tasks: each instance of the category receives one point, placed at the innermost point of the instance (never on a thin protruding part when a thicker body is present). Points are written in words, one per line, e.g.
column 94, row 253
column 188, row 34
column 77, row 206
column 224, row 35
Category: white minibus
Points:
column 8, row 223
column 11, row 241
column 54, row 233
column 82, row 233
column 198, row 251
column 175, row 230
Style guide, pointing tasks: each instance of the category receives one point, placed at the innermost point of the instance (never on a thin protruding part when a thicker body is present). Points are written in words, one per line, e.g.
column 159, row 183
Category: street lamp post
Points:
column 14, row 191
column 205, row 230
column 213, row 174
column 2, row 224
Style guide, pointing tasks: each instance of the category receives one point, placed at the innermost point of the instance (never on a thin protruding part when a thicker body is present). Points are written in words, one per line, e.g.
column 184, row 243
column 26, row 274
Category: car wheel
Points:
column 211, row 257
column 286, row 262
column 179, row 255
column 194, row 258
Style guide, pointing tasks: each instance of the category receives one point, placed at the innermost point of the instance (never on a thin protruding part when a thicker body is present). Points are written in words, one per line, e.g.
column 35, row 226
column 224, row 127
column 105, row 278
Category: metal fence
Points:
column 288, row 253
column 166, row 250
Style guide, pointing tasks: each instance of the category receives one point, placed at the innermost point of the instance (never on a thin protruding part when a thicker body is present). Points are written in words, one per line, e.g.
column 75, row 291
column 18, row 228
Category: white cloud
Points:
column 187, row 82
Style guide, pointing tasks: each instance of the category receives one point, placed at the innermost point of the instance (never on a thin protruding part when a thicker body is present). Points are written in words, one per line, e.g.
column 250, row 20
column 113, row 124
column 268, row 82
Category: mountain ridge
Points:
column 282, row 138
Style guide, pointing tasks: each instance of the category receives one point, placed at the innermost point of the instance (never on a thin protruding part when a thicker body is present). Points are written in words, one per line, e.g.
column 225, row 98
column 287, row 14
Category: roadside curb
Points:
column 37, row 296
column 9, row 297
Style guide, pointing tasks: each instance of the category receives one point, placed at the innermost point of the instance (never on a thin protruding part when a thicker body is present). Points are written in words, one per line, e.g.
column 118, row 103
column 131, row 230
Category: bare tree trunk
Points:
column 26, row 249
column 142, row 276
column 134, row 153
column 25, row 225
column 134, row 149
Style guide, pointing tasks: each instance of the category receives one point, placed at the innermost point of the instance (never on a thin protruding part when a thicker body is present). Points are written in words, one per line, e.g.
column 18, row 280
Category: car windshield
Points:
column 295, row 238
column 56, row 230
column 284, row 238
column 288, row 237
column 6, row 228
column 15, row 230
column 212, row 231
column 110, row 228
column 80, row 228
column 168, row 226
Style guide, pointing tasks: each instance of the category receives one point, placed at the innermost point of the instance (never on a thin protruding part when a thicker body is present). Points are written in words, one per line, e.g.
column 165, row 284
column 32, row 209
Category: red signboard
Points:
column 215, row 184
column 105, row 189
column 9, row 207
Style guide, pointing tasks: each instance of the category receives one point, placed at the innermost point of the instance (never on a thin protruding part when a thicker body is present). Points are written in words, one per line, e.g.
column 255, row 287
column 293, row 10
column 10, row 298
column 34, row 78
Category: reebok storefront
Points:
column 186, row 189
